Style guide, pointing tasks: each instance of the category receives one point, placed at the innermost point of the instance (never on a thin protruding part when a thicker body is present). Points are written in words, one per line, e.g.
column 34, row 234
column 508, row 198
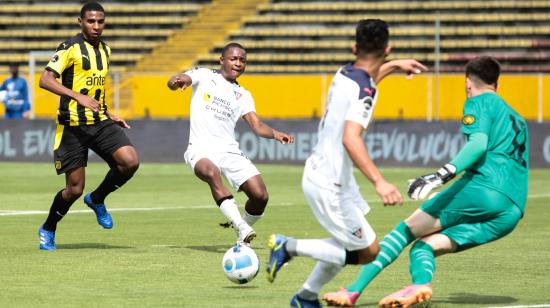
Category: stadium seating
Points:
column 133, row 30
column 285, row 36
column 316, row 36
column 212, row 24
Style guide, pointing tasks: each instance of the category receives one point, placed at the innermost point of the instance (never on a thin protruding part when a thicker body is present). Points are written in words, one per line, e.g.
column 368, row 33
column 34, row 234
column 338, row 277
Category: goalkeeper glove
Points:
column 419, row 188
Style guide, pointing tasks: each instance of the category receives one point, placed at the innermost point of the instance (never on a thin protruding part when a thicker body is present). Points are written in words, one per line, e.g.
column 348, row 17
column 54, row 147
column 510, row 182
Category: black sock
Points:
column 59, row 208
column 219, row 202
column 113, row 180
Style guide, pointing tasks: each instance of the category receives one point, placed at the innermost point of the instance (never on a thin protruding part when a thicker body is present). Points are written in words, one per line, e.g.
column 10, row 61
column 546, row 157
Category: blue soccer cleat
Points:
column 304, row 303
column 47, row 239
column 103, row 217
column 278, row 255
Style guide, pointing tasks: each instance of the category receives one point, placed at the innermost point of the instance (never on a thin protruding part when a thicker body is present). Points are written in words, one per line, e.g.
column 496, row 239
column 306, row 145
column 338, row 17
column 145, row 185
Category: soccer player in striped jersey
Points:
column 484, row 205
column 84, row 123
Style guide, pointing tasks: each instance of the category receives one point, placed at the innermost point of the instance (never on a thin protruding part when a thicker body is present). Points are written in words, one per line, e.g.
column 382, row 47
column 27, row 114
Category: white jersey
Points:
column 352, row 97
column 216, row 106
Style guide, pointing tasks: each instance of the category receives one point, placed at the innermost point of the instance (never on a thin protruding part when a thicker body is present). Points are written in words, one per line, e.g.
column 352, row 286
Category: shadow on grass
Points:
column 375, row 304
column 241, row 286
column 459, row 299
column 211, row 248
column 217, row 248
column 91, row 246
column 472, row 298
column 372, row 304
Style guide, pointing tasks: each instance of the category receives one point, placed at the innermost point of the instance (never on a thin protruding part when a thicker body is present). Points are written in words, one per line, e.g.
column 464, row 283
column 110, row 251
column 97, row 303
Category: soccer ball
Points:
column 240, row 264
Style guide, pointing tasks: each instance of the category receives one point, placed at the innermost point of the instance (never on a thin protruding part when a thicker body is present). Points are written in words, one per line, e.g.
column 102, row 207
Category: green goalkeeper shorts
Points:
column 472, row 214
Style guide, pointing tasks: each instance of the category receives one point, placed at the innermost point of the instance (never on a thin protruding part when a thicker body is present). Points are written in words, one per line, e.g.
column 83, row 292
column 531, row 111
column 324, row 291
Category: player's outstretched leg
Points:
column 47, row 239
column 341, row 298
column 103, row 217
column 297, row 301
column 411, row 295
column 422, row 268
column 390, row 248
column 257, row 195
column 278, row 255
column 124, row 163
column 228, row 206
column 60, row 207
column 256, row 191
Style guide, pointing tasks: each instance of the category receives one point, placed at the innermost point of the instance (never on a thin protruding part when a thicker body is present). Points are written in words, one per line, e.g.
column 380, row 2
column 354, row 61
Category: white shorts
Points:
column 340, row 213
column 232, row 163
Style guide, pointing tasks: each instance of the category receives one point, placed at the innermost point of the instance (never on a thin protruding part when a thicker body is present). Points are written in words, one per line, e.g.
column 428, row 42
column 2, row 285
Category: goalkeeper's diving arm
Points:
column 476, row 146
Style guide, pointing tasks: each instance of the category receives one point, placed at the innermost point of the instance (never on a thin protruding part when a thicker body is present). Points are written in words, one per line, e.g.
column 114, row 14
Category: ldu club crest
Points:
column 237, row 94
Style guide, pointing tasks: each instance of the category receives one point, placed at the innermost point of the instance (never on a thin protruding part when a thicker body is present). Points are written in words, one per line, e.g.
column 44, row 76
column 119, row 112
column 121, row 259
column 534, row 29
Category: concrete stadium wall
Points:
column 390, row 143
column 303, row 96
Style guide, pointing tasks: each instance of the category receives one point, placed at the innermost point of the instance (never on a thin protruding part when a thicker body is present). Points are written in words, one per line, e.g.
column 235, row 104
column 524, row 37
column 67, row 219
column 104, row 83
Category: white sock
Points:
column 327, row 250
column 231, row 211
column 321, row 275
column 251, row 219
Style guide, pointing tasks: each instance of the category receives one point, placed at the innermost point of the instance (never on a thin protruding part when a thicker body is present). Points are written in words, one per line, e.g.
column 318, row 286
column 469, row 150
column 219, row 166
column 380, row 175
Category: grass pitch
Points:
column 166, row 247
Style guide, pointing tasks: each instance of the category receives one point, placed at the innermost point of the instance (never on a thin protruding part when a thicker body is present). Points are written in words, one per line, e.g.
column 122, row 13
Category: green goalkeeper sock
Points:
column 422, row 263
column 390, row 247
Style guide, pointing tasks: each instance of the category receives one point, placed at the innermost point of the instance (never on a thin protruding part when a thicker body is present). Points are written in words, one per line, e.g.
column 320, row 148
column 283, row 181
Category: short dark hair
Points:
column 484, row 68
column 372, row 36
column 91, row 6
column 232, row 45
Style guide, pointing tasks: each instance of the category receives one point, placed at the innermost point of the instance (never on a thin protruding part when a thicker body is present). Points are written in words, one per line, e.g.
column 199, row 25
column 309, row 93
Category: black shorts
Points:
column 72, row 144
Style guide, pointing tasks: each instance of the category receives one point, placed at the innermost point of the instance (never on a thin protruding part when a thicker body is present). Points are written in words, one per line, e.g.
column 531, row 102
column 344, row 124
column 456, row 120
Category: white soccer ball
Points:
column 240, row 264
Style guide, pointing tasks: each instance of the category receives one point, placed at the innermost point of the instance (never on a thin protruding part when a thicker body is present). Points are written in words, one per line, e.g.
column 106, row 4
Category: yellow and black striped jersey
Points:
column 82, row 68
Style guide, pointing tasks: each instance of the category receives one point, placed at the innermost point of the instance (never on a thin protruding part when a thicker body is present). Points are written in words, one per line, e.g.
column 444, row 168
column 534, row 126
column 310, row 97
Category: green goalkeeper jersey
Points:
column 504, row 166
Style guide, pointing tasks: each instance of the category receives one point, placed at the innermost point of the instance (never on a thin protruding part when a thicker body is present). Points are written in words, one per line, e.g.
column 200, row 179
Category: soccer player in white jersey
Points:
column 217, row 102
column 328, row 182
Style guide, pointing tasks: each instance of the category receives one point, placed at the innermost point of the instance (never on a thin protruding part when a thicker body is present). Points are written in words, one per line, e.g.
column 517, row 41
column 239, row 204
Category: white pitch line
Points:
column 522, row 306
column 196, row 207
column 136, row 209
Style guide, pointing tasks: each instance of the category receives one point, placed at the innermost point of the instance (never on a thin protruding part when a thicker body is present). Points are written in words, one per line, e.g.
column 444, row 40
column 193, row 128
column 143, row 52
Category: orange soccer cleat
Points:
column 342, row 298
column 407, row 296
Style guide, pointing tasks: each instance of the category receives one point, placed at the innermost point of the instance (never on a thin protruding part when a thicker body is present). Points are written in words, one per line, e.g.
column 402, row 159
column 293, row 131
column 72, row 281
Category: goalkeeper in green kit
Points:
column 484, row 205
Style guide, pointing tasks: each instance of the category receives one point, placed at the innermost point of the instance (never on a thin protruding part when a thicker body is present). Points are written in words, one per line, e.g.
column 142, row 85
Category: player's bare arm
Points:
column 48, row 81
column 409, row 66
column 355, row 146
column 180, row 81
column 263, row 130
